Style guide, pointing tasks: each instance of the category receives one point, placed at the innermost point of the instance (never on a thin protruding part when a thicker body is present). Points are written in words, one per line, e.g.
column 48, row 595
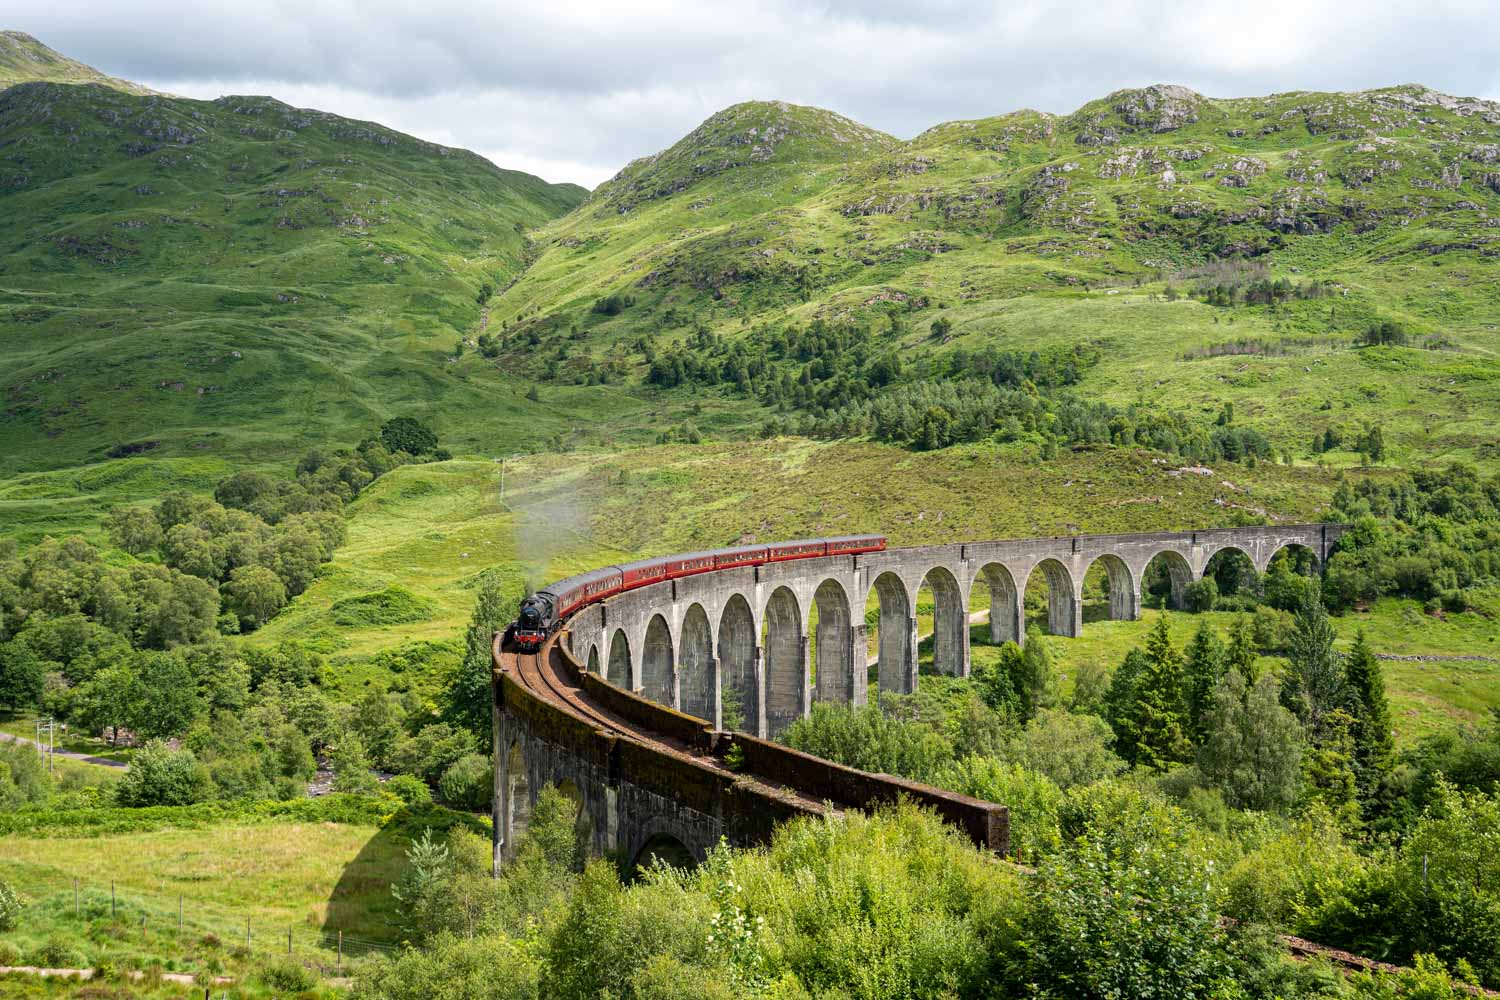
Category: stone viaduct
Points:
column 634, row 707
column 770, row 640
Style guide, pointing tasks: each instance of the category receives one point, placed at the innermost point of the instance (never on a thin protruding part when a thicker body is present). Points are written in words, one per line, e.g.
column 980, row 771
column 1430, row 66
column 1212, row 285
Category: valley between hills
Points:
column 296, row 408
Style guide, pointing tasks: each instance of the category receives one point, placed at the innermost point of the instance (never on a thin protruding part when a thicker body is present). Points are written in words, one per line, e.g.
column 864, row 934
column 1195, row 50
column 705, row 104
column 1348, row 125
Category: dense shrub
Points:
column 351, row 767
column 394, row 605
column 410, row 790
column 1293, row 878
column 10, row 907
column 407, row 434
column 469, row 783
column 1033, row 800
column 1201, row 595
column 23, row 776
column 430, row 753
column 161, row 776
column 1022, row 681
column 1068, row 748
column 288, row 976
column 1438, row 894
column 866, row 738
column 485, row 968
column 1126, row 909
column 612, row 305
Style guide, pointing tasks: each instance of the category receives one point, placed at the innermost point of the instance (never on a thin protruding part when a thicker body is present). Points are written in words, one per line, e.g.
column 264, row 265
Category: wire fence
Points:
column 198, row 936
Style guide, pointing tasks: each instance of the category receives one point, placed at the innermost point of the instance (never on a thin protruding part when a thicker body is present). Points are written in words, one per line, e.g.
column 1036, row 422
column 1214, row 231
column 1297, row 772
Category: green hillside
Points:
column 240, row 278
column 1315, row 215
column 23, row 59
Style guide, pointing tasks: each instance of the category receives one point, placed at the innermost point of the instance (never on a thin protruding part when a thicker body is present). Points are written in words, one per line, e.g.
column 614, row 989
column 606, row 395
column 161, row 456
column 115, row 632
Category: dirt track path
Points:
column 171, row 977
column 82, row 758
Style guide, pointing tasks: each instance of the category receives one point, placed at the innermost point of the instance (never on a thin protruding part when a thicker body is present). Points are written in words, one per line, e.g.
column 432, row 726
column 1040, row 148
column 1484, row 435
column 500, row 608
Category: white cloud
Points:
column 572, row 90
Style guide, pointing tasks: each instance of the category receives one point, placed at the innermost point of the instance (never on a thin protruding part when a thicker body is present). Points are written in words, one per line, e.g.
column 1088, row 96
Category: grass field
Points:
column 312, row 879
column 1026, row 231
column 239, row 278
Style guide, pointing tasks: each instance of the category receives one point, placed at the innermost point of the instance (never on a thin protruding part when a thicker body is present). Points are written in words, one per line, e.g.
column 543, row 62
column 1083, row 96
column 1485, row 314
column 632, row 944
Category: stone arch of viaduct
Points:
column 757, row 646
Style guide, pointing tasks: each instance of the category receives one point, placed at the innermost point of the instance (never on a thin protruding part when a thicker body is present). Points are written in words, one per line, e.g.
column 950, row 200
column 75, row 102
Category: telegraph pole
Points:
column 49, row 749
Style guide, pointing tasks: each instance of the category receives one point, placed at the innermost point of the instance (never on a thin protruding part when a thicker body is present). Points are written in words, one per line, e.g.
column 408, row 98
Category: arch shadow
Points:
column 950, row 623
column 738, row 644
column 1233, row 571
column 1119, row 582
column 786, row 661
column 896, row 666
column 1166, row 577
column 1005, row 621
column 664, row 848
column 1062, row 608
column 831, row 640
column 619, row 660
column 1299, row 558
column 657, row 680
column 695, row 665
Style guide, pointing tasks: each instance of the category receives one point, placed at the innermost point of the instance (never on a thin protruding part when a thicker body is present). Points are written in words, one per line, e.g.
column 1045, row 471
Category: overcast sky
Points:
column 573, row 89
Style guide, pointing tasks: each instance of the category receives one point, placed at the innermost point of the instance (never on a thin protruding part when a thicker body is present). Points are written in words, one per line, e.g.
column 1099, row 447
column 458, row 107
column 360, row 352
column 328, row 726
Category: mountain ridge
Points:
column 979, row 233
column 24, row 58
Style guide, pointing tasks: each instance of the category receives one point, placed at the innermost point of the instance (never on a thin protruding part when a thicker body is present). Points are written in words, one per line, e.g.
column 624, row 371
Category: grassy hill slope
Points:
column 1028, row 230
column 23, row 59
column 241, row 278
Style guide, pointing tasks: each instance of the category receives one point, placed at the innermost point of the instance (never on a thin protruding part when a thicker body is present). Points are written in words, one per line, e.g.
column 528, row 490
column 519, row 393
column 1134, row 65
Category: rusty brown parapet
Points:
column 986, row 823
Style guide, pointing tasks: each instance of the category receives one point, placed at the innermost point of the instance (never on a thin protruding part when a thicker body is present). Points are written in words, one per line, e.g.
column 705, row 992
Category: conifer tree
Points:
column 1329, row 767
column 1203, row 665
column 1035, row 677
column 1242, row 654
column 1315, row 683
column 1374, row 748
column 1154, row 721
column 1119, row 702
